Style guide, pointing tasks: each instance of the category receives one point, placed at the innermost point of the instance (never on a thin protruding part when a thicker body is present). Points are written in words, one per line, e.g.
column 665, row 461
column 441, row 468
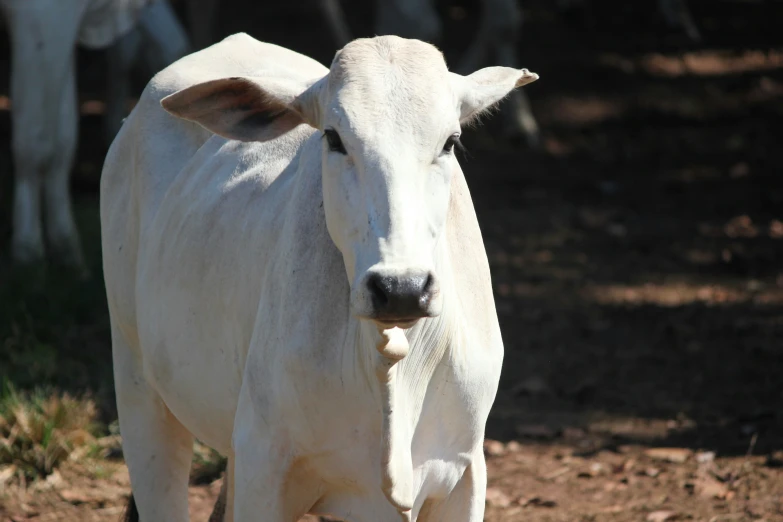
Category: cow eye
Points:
column 334, row 141
column 452, row 142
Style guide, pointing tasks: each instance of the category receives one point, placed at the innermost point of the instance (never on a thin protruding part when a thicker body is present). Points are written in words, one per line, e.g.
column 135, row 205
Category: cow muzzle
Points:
column 399, row 298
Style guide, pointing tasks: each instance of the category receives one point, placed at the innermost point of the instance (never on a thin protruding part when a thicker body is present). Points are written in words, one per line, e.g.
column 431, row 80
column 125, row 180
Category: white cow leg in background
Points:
column 157, row 448
column 121, row 57
column 160, row 39
column 164, row 38
column 518, row 114
column 496, row 41
column 335, row 19
column 61, row 231
column 44, row 123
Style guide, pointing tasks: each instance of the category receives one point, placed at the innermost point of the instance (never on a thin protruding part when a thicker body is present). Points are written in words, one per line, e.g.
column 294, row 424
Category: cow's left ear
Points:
column 248, row 108
column 484, row 88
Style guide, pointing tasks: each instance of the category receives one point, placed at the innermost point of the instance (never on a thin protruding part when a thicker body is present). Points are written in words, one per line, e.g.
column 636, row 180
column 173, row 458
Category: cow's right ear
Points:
column 248, row 108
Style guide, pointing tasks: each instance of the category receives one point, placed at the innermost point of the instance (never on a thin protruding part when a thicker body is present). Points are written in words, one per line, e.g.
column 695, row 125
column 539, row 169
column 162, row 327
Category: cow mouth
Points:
column 396, row 322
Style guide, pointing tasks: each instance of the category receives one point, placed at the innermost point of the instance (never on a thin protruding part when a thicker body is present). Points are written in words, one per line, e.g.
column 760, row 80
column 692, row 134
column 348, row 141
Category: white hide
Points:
column 230, row 266
column 44, row 117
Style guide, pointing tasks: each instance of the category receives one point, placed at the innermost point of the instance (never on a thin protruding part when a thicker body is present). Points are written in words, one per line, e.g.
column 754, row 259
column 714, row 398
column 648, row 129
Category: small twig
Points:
column 752, row 445
column 748, row 454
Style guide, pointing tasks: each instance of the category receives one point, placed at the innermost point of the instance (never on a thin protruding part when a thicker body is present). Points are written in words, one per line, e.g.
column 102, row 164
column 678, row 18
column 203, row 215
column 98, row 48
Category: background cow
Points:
column 44, row 34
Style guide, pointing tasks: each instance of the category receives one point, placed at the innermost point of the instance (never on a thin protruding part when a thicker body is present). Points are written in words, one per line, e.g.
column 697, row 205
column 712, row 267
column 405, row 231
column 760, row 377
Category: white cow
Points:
column 305, row 290
column 44, row 34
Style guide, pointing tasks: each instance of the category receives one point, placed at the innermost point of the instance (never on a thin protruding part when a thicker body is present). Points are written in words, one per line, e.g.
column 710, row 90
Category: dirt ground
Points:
column 637, row 261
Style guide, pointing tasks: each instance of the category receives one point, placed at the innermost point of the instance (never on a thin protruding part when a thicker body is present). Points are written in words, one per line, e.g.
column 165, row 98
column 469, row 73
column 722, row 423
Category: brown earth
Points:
column 637, row 264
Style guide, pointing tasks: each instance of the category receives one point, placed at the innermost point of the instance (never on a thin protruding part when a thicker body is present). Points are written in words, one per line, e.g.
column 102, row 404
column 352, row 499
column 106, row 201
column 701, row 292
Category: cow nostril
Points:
column 426, row 290
column 378, row 293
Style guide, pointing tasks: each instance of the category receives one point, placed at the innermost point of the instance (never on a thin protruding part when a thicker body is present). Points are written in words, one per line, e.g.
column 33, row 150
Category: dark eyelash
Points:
column 334, row 141
column 453, row 143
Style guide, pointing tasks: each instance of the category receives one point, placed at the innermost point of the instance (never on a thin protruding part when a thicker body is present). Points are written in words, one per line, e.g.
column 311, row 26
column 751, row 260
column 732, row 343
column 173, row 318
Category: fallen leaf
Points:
column 675, row 455
column 513, row 447
column 705, row 457
column 496, row 498
column 6, row 473
column 92, row 495
column 596, row 468
column 662, row 516
column 710, row 488
column 627, row 465
column 54, row 479
column 494, row 448
column 557, row 473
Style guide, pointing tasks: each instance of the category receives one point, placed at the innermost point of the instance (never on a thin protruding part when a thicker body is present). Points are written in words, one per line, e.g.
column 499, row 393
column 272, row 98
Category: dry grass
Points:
column 208, row 465
column 40, row 430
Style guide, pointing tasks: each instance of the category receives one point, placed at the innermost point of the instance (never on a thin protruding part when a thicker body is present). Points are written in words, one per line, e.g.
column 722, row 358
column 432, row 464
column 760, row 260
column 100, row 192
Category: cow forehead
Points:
column 391, row 80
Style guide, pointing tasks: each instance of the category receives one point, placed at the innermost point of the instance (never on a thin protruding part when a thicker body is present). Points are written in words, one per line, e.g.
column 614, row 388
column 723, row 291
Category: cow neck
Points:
column 404, row 364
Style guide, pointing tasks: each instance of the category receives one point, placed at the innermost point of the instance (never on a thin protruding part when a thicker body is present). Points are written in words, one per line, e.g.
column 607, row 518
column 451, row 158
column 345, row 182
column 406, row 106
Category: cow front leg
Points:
column 269, row 480
column 158, row 449
column 465, row 503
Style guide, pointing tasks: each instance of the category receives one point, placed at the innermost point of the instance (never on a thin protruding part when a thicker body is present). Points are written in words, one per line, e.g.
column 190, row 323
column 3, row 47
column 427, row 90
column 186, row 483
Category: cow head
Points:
column 389, row 113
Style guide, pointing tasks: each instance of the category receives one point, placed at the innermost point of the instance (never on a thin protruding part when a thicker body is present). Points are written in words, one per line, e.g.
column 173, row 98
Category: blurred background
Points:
column 636, row 250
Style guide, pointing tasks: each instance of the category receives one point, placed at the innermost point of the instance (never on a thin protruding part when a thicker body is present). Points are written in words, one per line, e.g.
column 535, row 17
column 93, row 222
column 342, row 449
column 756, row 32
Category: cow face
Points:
column 389, row 114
